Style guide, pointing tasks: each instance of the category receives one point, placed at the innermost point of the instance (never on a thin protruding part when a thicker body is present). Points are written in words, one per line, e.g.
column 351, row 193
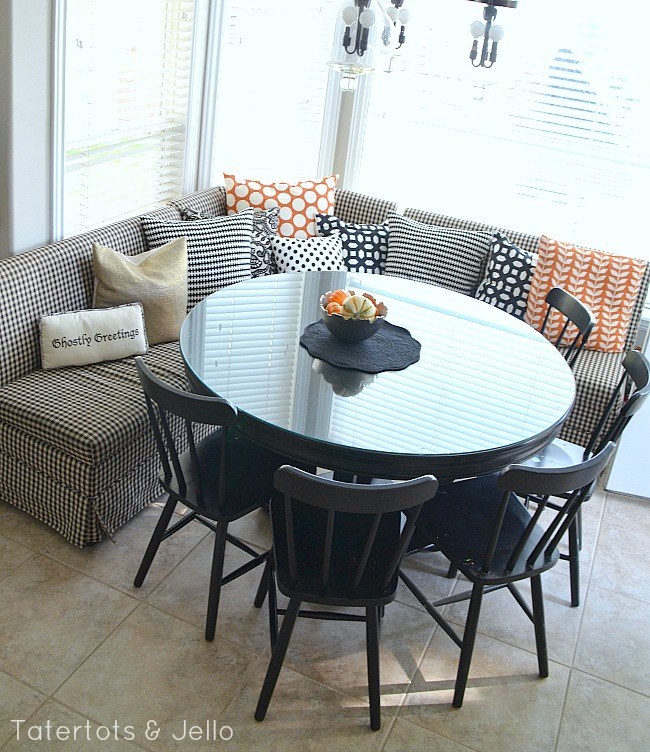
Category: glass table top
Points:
column 485, row 380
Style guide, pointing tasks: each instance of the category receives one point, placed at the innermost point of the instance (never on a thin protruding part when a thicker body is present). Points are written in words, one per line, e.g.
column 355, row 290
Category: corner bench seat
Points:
column 79, row 437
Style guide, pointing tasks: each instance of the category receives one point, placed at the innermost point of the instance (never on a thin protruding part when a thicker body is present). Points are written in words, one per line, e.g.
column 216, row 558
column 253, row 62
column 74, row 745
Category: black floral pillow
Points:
column 265, row 225
column 507, row 278
column 364, row 246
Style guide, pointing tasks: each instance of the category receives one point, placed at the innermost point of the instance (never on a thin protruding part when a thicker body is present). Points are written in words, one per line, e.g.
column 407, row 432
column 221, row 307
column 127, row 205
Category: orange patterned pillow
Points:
column 298, row 203
column 607, row 284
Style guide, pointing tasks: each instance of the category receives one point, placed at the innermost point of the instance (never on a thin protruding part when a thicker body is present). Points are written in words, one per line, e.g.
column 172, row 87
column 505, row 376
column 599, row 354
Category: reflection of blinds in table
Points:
column 259, row 375
column 527, row 388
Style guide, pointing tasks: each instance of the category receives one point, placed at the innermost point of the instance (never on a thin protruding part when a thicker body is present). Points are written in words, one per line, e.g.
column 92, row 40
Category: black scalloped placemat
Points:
column 391, row 349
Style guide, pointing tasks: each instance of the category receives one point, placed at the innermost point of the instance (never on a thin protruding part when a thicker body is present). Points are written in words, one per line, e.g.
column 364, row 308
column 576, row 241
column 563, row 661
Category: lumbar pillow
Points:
column 218, row 250
column 607, row 284
column 298, row 202
column 157, row 279
column 440, row 256
column 308, row 254
column 82, row 337
column 507, row 278
column 265, row 225
column 364, row 246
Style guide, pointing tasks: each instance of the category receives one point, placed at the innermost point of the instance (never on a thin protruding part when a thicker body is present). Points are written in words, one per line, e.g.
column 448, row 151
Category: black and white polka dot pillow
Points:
column 507, row 278
column 308, row 254
column 364, row 246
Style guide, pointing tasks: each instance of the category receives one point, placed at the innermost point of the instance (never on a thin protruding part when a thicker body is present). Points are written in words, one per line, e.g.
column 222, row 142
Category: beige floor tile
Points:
column 12, row 555
column 507, row 707
column 22, row 527
column 89, row 736
column 428, row 571
column 254, row 528
column 17, row 701
column 621, row 560
column 502, row 618
column 406, row 736
column 614, row 641
column 52, row 619
column 303, row 716
column 334, row 652
column 601, row 717
column 595, row 505
column 116, row 564
column 184, row 594
column 155, row 666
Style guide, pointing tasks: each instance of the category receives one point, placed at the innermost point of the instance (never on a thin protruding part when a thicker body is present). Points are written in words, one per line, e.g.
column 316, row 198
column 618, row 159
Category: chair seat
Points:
column 244, row 490
column 459, row 522
column 350, row 532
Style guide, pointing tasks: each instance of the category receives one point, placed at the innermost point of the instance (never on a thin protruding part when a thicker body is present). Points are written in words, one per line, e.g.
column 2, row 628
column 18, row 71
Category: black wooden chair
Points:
column 337, row 544
column 485, row 530
column 578, row 325
column 220, row 477
column 610, row 427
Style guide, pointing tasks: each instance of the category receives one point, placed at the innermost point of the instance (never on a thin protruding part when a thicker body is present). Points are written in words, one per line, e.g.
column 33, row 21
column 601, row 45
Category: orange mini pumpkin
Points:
column 333, row 307
column 339, row 296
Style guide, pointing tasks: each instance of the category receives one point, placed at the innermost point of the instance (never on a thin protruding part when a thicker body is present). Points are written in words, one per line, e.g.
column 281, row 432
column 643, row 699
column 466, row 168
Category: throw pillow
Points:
column 157, row 279
column 364, row 246
column 218, row 250
column 78, row 338
column 440, row 256
column 607, row 284
column 298, row 202
column 308, row 254
column 265, row 225
column 508, row 276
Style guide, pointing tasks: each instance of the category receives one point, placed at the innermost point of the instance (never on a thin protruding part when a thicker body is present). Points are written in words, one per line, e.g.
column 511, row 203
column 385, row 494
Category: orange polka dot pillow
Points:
column 607, row 284
column 299, row 202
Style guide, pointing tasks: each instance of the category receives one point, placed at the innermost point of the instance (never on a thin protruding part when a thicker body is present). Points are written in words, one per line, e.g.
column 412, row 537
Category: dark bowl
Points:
column 351, row 330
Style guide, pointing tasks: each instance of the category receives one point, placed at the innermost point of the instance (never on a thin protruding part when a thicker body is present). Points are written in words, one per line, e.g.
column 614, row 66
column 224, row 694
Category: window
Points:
column 553, row 139
column 273, row 81
column 127, row 76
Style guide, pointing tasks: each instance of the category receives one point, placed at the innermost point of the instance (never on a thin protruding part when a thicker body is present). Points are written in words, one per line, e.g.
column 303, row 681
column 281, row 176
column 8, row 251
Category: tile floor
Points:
column 80, row 646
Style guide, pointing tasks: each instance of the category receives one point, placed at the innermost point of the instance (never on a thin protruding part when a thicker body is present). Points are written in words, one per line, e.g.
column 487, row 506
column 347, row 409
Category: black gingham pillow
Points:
column 218, row 250
column 441, row 256
column 507, row 279
column 364, row 246
column 265, row 225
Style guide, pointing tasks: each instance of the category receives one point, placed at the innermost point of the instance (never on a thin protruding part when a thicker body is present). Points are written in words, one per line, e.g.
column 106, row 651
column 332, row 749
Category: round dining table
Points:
column 487, row 391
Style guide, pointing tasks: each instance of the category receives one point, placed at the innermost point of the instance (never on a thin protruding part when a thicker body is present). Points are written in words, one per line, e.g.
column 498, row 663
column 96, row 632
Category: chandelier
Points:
column 490, row 32
column 365, row 30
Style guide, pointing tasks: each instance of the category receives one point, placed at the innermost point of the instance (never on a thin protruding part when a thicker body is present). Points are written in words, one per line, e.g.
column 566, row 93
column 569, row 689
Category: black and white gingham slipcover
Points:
column 358, row 208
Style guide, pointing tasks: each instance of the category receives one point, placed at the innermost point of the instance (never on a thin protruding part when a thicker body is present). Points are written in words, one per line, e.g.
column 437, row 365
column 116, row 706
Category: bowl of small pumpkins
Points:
column 351, row 316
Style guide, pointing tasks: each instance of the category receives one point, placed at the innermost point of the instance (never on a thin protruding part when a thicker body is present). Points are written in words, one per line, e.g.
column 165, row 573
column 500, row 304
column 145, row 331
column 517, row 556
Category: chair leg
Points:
column 469, row 638
column 540, row 626
column 372, row 655
column 574, row 564
column 156, row 540
column 263, row 586
column 451, row 572
column 215, row 580
column 273, row 604
column 277, row 659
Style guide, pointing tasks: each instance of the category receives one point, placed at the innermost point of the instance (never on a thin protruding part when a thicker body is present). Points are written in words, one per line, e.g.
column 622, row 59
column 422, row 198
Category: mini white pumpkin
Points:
column 358, row 307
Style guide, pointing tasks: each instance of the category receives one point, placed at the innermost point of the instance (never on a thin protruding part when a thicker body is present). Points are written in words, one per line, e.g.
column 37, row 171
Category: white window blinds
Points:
column 272, row 87
column 552, row 139
column 127, row 75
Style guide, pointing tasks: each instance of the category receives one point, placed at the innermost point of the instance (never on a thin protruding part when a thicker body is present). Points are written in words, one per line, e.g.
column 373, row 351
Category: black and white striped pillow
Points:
column 441, row 256
column 265, row 226
column 218, row 250
column 364, row 246
column 507, row 279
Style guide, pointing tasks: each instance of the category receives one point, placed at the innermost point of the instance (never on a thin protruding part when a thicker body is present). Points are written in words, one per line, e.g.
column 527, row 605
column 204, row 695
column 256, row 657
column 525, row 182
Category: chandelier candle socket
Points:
column 365, row 29
column 490, row 32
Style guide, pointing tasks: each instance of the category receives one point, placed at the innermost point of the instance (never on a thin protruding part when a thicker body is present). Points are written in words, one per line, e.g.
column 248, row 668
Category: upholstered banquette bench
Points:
column 76, row 450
